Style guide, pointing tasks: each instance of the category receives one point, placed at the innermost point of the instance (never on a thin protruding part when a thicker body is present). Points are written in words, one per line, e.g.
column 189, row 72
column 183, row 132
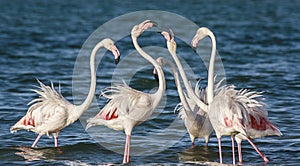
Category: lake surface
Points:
column 258, row 43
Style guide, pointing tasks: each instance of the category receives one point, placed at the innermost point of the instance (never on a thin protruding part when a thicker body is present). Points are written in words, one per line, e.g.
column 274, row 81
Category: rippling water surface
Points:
column 259, row 46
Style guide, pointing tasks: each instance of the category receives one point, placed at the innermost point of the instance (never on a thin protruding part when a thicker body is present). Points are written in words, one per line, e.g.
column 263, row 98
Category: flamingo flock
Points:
column 220, row 109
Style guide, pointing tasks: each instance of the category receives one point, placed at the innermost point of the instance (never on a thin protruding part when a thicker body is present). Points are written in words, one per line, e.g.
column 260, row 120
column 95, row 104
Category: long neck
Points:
column 179, row 88
column 186, row 106
column 84, row 106
column 188, row 87
column 162, row 83
column 210, row 82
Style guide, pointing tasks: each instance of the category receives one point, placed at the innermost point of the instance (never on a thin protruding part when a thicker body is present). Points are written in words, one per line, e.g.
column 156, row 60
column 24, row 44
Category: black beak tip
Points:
column 195, row 49
column 117, row 60
column 156, row 77
column 155, row 24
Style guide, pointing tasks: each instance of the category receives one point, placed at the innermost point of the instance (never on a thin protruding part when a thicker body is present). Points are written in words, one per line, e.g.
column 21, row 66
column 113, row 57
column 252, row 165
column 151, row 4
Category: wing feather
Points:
column 47, row 113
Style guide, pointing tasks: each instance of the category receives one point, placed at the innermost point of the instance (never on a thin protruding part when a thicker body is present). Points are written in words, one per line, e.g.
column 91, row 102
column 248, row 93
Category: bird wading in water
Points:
column 51, row 112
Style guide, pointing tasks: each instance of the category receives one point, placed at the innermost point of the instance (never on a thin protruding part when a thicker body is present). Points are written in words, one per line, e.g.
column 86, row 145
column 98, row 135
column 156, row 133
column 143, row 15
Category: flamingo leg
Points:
column 56, row 141
column 233, row 151
column 55, row 135
column 206, row 141
column 36, row 140
column 240, row 153
column 220, row 150
column 126, row 158
column 258, row 151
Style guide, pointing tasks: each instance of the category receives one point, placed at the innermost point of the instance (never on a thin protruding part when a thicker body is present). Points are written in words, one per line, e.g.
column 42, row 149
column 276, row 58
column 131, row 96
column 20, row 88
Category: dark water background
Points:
column 258, row 41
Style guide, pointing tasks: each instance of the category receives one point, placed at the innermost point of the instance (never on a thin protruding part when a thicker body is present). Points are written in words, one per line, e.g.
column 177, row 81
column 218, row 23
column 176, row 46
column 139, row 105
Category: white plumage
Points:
column 232, row 112
column 51, row 112
column 128, row 107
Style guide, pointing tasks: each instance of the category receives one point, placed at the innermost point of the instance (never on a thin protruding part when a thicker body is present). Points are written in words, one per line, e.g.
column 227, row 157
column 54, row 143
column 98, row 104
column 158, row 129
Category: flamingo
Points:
column 224, row 103
column 195, row 119
column 194, row 104
column 239, row 114
column 259, row 125
column 51, row 112
column 128, row 107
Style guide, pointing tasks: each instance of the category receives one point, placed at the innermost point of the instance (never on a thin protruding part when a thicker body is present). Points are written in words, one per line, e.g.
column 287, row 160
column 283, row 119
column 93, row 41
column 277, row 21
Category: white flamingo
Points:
column 235, row 113
column 195, row 119
column 225, row 108
column 51, row 112
column 129, row 107
column 195, row 107
column 259, row 125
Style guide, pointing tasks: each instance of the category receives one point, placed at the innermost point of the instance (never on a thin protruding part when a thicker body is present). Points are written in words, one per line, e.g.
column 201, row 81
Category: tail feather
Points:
column 20, row 126
column 47, row 93
column 93, row 122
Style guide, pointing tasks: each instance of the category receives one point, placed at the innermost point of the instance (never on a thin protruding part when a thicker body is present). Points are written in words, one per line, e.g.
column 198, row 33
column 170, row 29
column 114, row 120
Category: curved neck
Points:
column 162, row 83
column 188, row 87
column 84, row 106
column 179, row 88
column 210, row 82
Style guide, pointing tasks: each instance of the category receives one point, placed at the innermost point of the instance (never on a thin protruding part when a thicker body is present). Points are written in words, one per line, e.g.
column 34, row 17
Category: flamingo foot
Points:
column 258, row 151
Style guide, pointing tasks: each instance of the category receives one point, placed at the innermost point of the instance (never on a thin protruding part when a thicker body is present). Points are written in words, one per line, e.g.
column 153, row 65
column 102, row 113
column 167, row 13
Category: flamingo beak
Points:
column 155, row 75
column 116, row 53
column 117, row 60
column 194, row 43
column 148, row 24
column 166, row 35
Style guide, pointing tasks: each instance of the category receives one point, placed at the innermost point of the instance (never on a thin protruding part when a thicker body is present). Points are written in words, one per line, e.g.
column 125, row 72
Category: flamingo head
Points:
column 109, row 45
column 171, row 44
column 137, row 30
column 160, row 61
column 200, row 34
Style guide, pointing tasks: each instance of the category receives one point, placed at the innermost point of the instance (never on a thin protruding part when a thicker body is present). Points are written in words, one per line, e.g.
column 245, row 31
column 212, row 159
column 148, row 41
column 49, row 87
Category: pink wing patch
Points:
column 29, row 121
column 261, row 124
column 228, row 122
column 109, row 115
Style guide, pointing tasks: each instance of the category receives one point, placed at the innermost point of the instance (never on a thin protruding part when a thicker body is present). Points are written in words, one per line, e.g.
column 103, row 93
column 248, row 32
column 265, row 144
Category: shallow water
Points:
column 258, row 43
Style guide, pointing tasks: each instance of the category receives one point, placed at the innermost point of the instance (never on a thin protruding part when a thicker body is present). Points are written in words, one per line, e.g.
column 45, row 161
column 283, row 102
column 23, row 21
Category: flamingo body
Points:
column 51, row 112
column 227, row 115
column 47, row 114
column 128, row 107
column 195, row 119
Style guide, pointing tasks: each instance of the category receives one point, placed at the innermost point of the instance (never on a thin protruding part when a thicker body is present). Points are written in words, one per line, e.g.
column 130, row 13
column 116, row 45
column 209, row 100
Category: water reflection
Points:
column 202, row 155
column 197, row 153
column 33, row 154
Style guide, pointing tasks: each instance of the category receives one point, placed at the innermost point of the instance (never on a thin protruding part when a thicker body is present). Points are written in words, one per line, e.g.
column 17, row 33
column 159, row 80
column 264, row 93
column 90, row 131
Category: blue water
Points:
column 258, row 42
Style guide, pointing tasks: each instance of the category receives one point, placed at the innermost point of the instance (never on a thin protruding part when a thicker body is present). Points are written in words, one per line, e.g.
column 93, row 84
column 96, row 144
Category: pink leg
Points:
column 258, row 151
column 206, row 141
column 126, row 158
column 56, row 141
column 240, row 153
column 36, row 140
column 55, row 135
column 233, row 151
column 220, row 150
